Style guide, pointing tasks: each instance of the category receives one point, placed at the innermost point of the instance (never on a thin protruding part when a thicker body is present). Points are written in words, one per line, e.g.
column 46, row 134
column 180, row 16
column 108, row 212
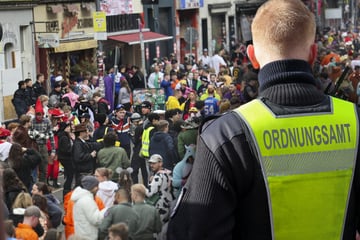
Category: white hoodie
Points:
column 86, row 214
column 106, row 192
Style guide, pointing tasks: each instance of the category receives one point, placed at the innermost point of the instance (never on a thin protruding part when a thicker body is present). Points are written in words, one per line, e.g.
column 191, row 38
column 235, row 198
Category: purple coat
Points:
column 109, row 93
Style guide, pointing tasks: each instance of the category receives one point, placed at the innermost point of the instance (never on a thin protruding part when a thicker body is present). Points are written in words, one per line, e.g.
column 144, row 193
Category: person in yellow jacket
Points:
column 210, row 92
column 173, row 101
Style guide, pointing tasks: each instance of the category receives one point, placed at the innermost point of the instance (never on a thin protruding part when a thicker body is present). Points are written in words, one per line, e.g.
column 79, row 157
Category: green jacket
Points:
column 122, row 212
column 149, row 223
column 186, row 137
column 113, row 157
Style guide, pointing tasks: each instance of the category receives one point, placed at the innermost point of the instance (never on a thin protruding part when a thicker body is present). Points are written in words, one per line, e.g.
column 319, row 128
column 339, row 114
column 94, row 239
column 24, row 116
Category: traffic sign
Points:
column 191, row 35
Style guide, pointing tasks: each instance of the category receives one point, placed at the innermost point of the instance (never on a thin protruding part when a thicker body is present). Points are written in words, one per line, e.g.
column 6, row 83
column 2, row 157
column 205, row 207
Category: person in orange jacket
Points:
column 68, row 219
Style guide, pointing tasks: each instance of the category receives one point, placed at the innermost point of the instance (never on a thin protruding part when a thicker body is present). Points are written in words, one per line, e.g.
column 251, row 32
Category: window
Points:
column 9, row 56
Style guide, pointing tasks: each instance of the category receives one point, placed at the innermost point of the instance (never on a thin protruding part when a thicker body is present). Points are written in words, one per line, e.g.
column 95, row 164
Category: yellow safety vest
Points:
column 117, row 143
column 307, row 162
column 145, row 140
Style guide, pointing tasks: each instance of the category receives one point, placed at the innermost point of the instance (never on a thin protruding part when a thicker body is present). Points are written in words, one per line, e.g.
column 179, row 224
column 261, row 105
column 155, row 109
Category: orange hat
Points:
column 38, row 107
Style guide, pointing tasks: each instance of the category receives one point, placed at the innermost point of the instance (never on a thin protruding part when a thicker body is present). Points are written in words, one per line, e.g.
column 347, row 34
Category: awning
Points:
column 75, row 46
column 134, row 38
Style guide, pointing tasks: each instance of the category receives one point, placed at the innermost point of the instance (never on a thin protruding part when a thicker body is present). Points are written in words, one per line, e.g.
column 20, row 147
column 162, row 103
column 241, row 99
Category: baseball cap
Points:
column 204, row 78
column 119, row 107
column 155, row 158
column 146, row 104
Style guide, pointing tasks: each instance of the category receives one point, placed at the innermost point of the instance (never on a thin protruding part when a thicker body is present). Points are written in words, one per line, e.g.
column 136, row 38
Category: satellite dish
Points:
column 191, row 35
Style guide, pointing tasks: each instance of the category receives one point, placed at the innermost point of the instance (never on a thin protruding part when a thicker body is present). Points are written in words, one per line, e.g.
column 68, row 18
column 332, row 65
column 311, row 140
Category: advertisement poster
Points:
column 154, row 95
column 116, row 7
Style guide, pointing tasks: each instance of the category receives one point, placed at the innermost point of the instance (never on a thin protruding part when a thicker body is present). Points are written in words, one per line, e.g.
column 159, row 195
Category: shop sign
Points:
column 48, row 41
column 333, row 13
column 185, row 4
column 76, row 46
column 99, row 21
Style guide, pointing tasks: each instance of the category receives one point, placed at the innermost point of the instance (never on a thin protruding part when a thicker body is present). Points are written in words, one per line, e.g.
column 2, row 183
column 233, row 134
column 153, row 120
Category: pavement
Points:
column 58, row 193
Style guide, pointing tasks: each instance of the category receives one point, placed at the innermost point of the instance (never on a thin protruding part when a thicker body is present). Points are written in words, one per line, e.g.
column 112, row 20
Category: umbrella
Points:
column 326, row 59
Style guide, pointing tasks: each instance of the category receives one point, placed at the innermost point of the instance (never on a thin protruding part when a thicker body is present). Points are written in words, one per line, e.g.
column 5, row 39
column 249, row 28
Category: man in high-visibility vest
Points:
column 148, row 132
column 285, row 165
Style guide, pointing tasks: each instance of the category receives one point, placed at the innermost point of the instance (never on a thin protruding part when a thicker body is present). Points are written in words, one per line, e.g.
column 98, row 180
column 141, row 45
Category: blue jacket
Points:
column 163, row 144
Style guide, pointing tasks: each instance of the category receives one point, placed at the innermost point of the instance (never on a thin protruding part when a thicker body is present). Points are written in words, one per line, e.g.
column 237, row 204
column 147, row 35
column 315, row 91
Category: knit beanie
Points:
column 89, row 182
column 100, row 117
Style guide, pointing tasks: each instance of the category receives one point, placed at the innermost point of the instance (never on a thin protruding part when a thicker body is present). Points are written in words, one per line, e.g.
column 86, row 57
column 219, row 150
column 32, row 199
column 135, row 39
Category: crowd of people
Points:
column 125, row 165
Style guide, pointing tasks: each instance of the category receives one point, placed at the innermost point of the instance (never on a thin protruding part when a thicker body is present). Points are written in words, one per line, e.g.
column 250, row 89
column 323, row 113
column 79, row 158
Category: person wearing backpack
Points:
column 103, row 105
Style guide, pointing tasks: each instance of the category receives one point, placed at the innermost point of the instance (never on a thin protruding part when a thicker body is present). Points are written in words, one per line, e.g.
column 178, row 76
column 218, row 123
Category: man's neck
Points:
column 27, row 221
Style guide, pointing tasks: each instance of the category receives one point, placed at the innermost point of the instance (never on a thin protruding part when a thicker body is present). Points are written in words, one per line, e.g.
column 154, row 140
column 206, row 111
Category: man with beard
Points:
column 160, row 184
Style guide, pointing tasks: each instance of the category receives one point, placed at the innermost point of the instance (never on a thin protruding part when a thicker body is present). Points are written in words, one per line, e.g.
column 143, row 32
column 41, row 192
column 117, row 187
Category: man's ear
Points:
column 313, row 54
column 251, row 55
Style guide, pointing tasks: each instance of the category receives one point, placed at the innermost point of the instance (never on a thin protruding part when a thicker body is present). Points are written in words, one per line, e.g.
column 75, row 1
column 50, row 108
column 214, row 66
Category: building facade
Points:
column 64, row 37
column 16, row 51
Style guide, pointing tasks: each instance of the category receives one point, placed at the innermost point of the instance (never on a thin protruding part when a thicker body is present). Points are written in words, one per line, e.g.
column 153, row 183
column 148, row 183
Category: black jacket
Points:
column 30, row 96
column 227, row 183
column 19, row 102
column 38, row 89
column 64, row 150
column 83, row 161
column 163, row 144
column 137, row 81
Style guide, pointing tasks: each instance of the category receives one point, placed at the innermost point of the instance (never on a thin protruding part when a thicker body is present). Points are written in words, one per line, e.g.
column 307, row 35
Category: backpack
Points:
column 103, row 100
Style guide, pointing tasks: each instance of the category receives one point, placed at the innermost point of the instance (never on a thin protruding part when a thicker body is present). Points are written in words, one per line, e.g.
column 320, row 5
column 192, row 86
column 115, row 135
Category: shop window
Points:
column 10, row 61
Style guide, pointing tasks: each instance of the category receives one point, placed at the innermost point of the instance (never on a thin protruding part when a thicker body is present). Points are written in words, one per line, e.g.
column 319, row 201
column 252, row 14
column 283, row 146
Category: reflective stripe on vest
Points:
column 145, row 140
column 307, row 162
